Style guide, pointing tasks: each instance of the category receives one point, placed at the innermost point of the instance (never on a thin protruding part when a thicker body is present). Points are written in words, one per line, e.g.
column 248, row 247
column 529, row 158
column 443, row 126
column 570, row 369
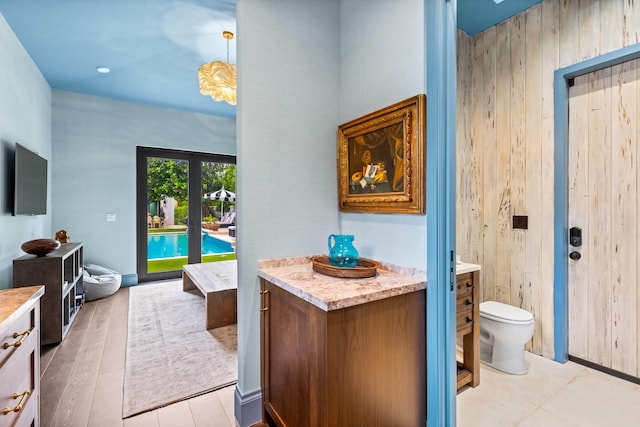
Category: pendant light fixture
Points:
column 218, row 78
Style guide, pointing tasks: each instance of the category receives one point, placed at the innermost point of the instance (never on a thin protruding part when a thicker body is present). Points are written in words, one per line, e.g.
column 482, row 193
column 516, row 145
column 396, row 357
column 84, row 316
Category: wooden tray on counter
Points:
column 365, row 268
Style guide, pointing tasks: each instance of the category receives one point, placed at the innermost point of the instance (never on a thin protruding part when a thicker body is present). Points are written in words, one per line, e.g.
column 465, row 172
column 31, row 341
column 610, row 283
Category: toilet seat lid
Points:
column 504, row 312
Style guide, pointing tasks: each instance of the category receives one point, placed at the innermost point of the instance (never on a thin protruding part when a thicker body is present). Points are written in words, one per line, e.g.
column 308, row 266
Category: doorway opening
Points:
column 603, row 311
column 562, row 80
column 185, row 210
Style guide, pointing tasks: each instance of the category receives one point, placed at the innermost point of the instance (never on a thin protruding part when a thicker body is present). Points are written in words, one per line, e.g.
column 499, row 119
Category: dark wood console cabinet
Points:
column 60, row 272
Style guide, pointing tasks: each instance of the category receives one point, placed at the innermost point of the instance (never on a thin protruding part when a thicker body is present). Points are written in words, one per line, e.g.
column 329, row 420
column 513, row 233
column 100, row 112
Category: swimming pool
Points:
column 172, row 245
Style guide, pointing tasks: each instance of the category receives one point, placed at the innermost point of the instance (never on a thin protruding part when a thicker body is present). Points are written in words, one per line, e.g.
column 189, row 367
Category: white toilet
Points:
column 504, row 330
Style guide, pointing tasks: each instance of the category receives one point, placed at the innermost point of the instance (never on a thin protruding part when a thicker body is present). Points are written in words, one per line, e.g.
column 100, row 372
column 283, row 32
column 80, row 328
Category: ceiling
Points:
column 155, row 47
column 475, row 16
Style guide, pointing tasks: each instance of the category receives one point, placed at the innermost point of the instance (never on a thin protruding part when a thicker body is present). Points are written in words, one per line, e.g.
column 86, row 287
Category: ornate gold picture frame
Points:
column 381, row 160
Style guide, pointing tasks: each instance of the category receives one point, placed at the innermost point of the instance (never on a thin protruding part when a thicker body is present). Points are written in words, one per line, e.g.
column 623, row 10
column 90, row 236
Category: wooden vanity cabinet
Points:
column 20, row 357
column 360, row 365
column 468, row 327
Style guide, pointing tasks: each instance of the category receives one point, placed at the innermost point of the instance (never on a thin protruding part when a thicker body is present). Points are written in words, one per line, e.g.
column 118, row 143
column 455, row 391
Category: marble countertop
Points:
column 464, row 267
column 12, row 302
column 296, row 276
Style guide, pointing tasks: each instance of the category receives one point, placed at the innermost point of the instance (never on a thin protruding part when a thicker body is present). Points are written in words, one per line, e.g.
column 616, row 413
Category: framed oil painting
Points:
column 381, row 160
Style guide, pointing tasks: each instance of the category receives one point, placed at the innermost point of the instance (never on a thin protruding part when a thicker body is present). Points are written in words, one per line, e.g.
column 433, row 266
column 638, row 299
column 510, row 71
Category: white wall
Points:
column 25, row 118
column 382, row 61
column 288, row 110
column 94, row 150
column 305, row 67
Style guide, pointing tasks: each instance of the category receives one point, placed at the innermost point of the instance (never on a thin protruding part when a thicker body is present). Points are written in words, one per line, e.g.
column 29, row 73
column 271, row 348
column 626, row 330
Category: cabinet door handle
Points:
column 263, row 292
column 466, row 285
column 24, row 395
column 18, row 343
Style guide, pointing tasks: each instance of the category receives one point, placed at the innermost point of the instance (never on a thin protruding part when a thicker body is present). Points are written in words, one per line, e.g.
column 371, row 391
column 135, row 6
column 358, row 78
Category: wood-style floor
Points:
column 82, row 378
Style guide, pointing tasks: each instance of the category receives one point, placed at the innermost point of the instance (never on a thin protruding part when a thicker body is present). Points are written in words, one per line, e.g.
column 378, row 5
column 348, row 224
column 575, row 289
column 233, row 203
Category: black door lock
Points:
column 575, row 236
column 575, row 255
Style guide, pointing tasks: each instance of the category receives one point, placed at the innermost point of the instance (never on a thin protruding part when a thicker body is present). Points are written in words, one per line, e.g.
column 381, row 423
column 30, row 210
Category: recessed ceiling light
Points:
column 102, row 69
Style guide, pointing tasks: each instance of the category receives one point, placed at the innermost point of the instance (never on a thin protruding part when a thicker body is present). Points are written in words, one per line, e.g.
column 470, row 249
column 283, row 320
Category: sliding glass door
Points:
column 179, row 217
column 218, row 211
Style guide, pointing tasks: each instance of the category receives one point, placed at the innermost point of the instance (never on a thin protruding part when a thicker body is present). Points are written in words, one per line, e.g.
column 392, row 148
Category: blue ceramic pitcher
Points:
column 342, row 253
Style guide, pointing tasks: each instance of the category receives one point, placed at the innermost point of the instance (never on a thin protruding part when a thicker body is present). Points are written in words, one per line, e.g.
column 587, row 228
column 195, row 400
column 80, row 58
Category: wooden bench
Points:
column 218, row 282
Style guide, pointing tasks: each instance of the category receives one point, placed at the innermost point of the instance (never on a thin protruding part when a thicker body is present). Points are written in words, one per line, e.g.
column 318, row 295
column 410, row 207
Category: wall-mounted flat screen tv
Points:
column 30, row 185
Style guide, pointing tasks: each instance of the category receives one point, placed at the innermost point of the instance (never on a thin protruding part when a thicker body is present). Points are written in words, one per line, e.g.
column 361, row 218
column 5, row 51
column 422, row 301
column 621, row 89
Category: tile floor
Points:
column 551, row 394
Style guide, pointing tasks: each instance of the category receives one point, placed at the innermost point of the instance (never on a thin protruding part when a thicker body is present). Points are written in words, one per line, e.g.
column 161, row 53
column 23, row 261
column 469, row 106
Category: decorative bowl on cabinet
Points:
column 40, row 247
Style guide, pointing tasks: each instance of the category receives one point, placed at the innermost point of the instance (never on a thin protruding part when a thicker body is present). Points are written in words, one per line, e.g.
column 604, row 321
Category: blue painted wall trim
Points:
column 561, row 226
column 129, row 280
column 561, row 119
column 440, row 21
column 247, row 407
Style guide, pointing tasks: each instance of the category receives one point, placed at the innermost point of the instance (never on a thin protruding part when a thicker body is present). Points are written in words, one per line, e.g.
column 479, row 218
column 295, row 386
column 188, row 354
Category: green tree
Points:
column 167, row 178
column 214, row 177
column 229, row 177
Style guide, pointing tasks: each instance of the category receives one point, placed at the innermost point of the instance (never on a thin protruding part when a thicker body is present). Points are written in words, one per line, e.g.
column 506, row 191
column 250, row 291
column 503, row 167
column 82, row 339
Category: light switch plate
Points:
column 110, row 217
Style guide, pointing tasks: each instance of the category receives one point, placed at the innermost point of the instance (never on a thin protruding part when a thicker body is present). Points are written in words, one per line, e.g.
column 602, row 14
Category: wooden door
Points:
column 293, row 348
column 604, row 124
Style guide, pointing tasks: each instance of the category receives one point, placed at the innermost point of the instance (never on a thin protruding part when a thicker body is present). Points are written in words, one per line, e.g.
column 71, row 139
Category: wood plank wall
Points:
column 505, row 142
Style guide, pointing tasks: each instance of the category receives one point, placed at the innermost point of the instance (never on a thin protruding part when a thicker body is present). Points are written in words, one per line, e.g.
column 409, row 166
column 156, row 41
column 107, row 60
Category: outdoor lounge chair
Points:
column 227, row 219
column 214, row 226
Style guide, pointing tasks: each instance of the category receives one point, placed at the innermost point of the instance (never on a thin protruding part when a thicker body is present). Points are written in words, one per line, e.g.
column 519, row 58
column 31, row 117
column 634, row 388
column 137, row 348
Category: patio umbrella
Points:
column 222, row 195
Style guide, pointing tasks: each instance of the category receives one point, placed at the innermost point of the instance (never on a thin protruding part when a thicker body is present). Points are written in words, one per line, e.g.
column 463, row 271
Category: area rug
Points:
column 170, row 355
